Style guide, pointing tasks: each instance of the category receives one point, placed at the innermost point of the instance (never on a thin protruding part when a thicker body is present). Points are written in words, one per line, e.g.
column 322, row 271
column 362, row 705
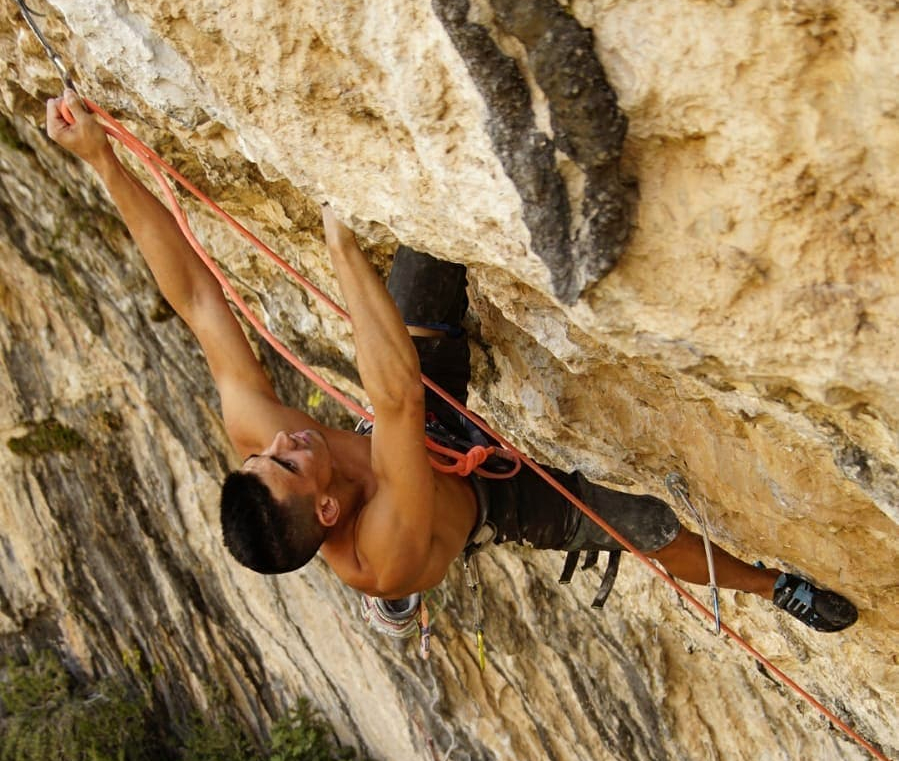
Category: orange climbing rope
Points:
column 451, row 461
column 461, row 464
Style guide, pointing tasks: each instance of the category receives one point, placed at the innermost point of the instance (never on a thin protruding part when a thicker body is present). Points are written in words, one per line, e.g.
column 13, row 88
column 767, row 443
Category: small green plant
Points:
column 42, row 683
column 218, row 740
column 303, row 735
column 46, row 717
column 44, row 437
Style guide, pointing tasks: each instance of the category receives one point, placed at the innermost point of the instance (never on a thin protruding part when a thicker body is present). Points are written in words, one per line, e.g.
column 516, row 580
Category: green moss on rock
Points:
column 45, row 437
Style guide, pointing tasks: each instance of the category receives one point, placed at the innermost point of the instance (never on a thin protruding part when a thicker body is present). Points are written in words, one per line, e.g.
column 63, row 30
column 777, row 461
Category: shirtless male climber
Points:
column 382, row 518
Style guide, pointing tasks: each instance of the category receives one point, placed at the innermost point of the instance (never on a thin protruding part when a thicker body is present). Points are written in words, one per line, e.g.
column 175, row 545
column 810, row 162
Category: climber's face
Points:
column 294, row 464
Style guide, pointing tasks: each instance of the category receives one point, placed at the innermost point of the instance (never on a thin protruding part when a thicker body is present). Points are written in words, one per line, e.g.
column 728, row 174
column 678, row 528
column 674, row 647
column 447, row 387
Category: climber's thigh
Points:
column 645, row 521
column 429, row 292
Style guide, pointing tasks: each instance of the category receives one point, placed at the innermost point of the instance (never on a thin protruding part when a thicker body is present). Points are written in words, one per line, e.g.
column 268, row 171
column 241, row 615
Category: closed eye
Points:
column 286, row 464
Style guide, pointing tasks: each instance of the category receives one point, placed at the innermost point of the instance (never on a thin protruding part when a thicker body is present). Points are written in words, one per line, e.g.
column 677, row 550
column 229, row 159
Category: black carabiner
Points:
column 48, row 49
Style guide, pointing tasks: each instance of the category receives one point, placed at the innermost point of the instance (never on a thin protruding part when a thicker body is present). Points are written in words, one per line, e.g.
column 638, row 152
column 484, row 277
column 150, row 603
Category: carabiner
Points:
column 54, row 57
column 677, row 486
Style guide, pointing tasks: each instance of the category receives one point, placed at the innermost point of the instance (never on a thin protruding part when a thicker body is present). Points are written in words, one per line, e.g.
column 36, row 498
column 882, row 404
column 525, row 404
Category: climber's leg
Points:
column 685, row 559
column 818, row 608
column 429, row 292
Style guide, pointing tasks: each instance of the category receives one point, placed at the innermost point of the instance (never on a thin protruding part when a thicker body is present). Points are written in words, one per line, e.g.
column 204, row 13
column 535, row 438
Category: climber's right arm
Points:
column 183, row 279
column 248, row 398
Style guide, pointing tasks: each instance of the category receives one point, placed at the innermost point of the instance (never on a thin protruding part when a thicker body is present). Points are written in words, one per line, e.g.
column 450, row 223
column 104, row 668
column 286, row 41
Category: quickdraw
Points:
column 54, row 57
column 473, row 581
column 677, row 486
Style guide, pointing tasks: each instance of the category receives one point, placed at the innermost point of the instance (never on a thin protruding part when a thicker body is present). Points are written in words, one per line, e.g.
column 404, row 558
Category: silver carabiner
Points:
column 54, row 57
column 677, row 486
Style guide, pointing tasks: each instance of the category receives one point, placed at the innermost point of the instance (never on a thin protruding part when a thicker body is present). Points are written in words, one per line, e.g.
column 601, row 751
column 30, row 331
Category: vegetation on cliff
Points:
column 47, row 714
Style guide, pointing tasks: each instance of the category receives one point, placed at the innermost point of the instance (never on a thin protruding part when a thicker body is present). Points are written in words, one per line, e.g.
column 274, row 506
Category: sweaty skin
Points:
column 393, row 524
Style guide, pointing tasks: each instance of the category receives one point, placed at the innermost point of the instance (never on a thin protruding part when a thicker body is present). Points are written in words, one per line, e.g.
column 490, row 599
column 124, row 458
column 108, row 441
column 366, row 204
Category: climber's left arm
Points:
column 395, row 533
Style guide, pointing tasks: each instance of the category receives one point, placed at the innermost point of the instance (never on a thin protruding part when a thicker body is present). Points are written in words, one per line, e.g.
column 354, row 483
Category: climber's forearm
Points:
column 386, row 357
column 182, row 277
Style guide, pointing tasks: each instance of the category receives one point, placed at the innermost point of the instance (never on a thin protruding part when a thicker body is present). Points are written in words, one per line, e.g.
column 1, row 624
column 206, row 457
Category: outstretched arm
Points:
column 183, row 279
column 250, row 406
column 396, row 530
column 387, row 360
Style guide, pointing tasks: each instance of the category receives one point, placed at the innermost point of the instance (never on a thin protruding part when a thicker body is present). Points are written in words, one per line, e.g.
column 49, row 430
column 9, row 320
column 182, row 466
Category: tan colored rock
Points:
column 746, row 338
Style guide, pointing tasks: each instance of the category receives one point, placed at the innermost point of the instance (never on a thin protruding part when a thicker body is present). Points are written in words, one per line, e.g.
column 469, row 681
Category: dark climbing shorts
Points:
column 524, row 509
column 527, row 510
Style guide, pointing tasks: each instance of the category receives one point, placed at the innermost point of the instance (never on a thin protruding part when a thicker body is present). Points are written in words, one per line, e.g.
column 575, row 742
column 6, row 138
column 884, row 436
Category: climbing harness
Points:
column 472, row 454
column 679, row 489
column 457, row 455
column 156, row 165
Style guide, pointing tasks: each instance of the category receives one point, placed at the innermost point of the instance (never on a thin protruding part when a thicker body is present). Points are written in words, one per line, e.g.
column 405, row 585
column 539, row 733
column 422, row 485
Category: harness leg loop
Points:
column 608, row 579
column 570, row 565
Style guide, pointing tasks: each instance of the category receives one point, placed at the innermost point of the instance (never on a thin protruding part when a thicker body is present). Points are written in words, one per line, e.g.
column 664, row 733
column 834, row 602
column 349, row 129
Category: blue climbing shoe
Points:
column 820, row 609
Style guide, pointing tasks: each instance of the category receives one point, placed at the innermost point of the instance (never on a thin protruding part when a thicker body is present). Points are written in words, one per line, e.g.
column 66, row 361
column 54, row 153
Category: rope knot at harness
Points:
column 470, row 461
column 475, row 457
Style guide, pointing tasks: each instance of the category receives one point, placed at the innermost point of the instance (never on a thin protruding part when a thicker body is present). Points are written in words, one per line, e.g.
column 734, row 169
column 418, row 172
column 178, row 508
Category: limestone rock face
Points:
column 679, row 221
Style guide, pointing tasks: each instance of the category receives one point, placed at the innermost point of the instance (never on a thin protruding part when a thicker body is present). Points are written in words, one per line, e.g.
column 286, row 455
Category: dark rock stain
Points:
column 588, row 129
column 45, row 436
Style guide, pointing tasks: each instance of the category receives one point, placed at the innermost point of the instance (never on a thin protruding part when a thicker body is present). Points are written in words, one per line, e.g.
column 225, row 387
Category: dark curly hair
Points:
column 264, row 534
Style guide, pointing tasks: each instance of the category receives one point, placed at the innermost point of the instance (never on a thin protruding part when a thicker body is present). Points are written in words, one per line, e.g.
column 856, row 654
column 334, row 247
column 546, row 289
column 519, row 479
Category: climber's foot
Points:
column 821, row 609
